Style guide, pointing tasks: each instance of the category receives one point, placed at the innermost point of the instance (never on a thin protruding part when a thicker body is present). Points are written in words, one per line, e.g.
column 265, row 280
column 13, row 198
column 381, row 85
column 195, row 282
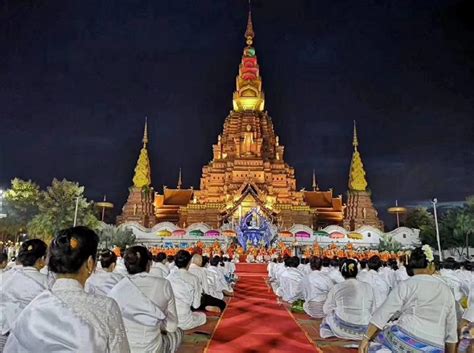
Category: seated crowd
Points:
column 399, row 306
column 59, row 299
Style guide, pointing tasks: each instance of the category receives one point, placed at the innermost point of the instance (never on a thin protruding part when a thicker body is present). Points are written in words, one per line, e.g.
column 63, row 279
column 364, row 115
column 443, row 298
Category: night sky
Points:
column 77, row 79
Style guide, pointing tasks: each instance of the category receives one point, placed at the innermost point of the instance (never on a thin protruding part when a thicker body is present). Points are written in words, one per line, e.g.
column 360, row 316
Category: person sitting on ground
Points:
column 159, row 267
column 348, row 306
column 170, row 262
column 104, row 279
column 426, row 313
column 290, row 279
column 66, row 318
column 208, row 302
column 21, row 285
column 187, row 291
column 148, row 306
column 314, row 289
column 376, row 280
column 218, row 286
column 3, row 261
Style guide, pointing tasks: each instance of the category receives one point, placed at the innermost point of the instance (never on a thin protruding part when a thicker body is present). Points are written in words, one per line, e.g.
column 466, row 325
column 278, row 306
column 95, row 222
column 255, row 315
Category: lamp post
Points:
column 434, row 202
column 2, row 215
column 75, row 211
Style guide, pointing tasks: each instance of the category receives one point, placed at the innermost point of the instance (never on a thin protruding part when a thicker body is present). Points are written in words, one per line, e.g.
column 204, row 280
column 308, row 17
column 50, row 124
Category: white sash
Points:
column 136, row 306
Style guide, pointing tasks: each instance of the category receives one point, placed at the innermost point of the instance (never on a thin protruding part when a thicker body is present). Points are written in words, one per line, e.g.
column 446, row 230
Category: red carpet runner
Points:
column 254, row 321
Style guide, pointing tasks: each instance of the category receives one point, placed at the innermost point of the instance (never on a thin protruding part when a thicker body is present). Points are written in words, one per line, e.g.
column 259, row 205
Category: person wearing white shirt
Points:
column 348, row 306
column 289, row 289
column 66, row 319
column 426, row 313
column 104, row 279
column 187, row 291
column 314, row 288
column 376, row 280
column 148, row 306
column 208, row 302
column 3, row 261
column 22, row 284
column 159, row 267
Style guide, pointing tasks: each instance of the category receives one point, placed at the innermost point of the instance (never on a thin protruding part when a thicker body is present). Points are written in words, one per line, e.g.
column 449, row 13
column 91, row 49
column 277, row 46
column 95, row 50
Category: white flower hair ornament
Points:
column 428, row 252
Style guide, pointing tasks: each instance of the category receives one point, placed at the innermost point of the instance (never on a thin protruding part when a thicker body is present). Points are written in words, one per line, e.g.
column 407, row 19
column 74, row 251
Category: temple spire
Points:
column 249, row 33
column 180, row 179
column 357, row 181
column 315, row 184
column 355, row 141
column 145, row 133
column 142, row 177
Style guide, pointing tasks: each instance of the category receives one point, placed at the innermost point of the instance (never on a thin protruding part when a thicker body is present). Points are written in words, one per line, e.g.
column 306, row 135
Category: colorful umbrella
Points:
column 285, row 234
column 302, row 234
column 321, row 233
column 354, row 235
column 163, row 233
column 229, row 233
column 212, row 233
column 196, row 233
column 179, row 233
column 337, row 235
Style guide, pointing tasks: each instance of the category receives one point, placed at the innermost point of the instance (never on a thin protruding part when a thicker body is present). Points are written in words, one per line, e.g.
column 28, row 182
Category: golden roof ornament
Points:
column 142, row 177
column 315, row 184
column 180, row 180
column 249, row 33
column 357, row 181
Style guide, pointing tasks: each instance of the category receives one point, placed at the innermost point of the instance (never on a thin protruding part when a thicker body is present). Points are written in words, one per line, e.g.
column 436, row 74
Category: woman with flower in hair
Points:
column 66, row 318
column 348, row 306
column 425, row 309
column 22, row 284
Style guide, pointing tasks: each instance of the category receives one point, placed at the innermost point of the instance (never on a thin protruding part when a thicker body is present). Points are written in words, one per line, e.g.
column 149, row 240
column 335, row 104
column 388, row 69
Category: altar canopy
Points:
column 255, row 230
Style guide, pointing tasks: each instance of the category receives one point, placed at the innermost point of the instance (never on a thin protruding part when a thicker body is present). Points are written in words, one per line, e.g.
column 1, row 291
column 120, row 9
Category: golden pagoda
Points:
column 139, row 205
column 248, row 169
column 360, row 209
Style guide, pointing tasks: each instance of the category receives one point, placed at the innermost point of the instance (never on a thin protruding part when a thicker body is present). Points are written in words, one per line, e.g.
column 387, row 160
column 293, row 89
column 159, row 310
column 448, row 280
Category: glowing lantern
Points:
column 356, row 236
column 302, row 234
column 163, row 233
column 337, row 235
column 196, row 233
column 321, row 233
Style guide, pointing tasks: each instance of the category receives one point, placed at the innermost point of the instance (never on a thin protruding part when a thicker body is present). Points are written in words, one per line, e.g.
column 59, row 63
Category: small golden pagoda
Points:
column 360, row 209
column 139, row 205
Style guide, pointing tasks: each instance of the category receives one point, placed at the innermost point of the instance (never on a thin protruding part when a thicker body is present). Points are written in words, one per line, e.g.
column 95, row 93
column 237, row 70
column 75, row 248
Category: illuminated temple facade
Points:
column 247, row 171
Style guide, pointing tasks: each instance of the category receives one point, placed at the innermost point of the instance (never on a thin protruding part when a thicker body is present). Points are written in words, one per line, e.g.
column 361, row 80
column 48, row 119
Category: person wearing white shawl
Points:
column 426, row 313
column 289, row 289
column 66, row 318
column 331, row 268
column 218, row 286
column 348, row 306
column 187, row 292
column 159, row 267
column 148, row 306
column 104, row 279
column 314, row 289
column 376, row 280
column 22, row 284
column 208, row 302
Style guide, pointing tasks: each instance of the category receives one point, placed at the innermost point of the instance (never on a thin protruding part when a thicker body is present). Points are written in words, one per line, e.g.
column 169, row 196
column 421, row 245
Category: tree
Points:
column 57, row 207
column 387, row 243
column 421, row 219
column 111, row 235
column 21, row 205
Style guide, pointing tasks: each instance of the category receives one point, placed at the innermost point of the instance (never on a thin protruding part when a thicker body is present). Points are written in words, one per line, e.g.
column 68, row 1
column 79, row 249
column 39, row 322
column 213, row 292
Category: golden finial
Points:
column 355, row 141
column 249, row 33
column 180, row 181
column 145, row 132
column 357, row 181
column 315, row 184
column 142, row 177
